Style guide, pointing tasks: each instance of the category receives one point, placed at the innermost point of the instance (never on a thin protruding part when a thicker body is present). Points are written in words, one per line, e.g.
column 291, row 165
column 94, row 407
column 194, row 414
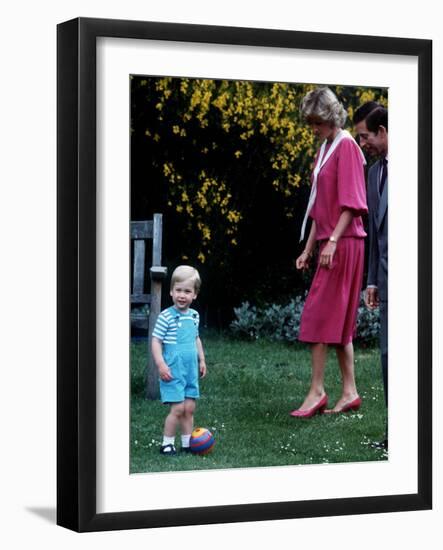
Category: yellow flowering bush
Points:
column 215, row 154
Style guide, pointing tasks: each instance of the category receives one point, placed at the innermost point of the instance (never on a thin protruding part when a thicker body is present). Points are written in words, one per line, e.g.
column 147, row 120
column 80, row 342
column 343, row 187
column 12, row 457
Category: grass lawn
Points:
column 245, row 400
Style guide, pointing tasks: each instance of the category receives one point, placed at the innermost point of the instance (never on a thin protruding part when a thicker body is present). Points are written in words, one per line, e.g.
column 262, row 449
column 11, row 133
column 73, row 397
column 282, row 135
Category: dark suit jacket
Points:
column 378, row 232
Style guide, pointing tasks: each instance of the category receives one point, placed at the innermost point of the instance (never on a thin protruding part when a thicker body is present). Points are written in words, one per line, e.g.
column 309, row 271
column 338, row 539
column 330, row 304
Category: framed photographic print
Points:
column 184, row 145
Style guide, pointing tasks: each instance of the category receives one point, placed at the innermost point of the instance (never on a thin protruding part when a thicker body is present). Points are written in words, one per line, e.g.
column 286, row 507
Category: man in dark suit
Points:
column 371, row 126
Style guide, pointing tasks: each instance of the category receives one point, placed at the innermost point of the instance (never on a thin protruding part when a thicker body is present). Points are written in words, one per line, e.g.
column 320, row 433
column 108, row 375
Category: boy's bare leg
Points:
column 174, row 418
column 187, row 419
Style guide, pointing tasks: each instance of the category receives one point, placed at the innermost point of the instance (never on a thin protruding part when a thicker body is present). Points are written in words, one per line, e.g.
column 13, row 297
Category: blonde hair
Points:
column 323, row 103
column 184, row 273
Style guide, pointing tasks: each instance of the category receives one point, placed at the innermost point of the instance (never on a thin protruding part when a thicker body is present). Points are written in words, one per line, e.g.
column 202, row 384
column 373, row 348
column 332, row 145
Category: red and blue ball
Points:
column 202, row 441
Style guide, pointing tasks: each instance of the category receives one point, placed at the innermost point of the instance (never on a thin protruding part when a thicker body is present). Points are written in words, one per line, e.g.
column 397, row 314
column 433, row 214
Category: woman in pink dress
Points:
column 337, row 201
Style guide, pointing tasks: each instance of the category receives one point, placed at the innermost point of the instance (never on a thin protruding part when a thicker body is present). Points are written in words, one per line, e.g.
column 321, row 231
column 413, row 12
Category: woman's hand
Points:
column 302, row 262
column 327, row 254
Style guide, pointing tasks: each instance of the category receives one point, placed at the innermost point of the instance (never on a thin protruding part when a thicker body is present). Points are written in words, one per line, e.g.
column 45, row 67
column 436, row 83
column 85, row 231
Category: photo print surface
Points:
column 223, row 171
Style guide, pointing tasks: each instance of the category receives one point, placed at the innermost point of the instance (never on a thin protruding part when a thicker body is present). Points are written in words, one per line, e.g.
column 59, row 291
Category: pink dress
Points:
column 330, row 312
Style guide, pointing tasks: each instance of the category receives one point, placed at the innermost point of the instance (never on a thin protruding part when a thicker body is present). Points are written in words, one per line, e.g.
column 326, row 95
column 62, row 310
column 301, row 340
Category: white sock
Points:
column 185, row 440
column 168, row 440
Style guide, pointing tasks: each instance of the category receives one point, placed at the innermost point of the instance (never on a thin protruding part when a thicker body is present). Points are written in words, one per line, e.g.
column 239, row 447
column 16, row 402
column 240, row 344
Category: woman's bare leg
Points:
column 318, row 363
column 345, row 357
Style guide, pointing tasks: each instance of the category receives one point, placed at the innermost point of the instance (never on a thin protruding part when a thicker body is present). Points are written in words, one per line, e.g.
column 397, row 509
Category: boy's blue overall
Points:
column 182, row 359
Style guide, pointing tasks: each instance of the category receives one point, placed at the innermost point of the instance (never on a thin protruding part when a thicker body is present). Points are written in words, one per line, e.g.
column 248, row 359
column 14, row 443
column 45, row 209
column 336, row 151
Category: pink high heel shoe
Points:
column 353, row 405
column 308, row 413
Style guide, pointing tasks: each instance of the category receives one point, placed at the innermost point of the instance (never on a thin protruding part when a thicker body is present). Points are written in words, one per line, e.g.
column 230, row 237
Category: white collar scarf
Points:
column 322, row 159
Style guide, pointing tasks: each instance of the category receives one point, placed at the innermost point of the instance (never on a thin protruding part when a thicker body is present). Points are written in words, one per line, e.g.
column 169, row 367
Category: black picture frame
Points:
column 76, row 264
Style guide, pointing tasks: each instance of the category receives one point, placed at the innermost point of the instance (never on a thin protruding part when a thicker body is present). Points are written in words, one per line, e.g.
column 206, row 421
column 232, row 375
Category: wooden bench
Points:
column 141, row 231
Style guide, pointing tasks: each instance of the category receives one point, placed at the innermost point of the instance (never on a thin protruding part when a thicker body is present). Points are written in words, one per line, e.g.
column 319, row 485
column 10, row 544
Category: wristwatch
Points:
column 332, row 239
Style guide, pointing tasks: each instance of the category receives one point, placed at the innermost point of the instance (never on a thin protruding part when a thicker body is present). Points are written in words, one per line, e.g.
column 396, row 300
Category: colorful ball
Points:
column 202, row 441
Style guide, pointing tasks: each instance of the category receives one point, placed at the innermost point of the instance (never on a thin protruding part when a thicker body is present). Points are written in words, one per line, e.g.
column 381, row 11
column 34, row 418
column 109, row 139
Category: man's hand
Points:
column 371, row 298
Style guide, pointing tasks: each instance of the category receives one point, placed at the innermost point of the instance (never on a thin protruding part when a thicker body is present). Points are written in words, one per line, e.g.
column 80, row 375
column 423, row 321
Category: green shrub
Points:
column 368, row 325
column 273, row 322
column 282, row 322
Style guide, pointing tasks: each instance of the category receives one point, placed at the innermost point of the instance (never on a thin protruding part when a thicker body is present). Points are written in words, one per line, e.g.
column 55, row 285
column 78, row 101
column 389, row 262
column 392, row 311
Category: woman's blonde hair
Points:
column 185, row 272
column 323, row 103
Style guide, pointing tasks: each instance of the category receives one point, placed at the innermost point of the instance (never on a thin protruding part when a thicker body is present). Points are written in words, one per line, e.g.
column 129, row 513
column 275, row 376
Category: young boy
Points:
column 178, row 353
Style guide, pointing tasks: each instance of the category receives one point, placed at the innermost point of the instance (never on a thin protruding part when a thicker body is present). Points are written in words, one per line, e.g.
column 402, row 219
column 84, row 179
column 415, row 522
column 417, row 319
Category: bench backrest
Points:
column 141, row 231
